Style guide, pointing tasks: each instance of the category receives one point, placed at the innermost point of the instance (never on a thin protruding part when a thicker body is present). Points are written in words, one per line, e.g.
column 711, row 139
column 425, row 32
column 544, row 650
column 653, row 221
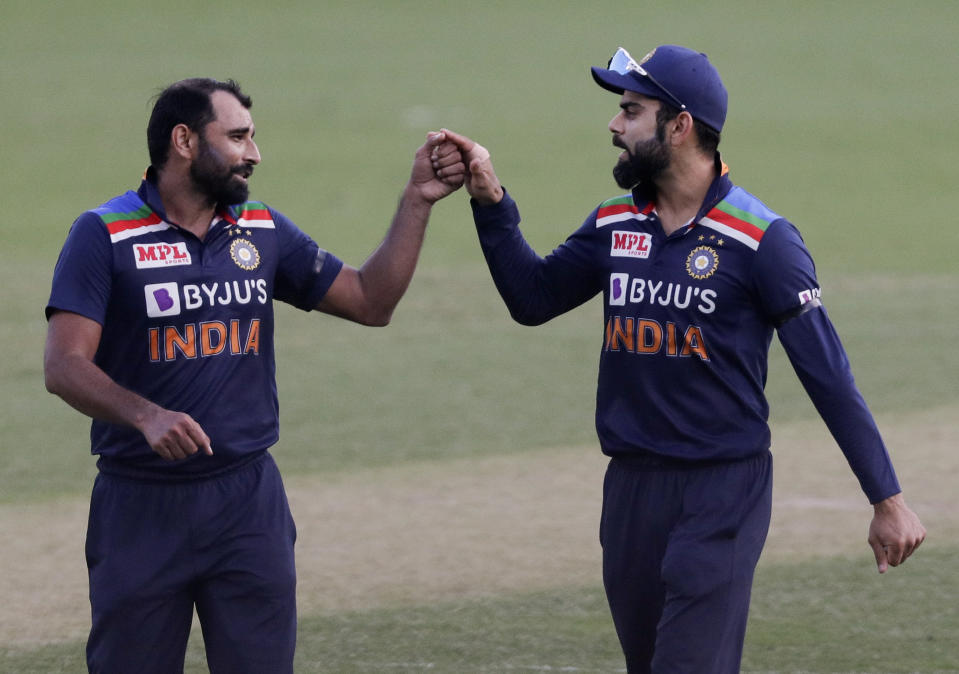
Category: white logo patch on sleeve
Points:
column 807, row 296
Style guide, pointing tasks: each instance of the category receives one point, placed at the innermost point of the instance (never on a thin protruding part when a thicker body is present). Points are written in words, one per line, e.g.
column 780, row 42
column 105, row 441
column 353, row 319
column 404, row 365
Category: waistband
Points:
column 123, row 469
column 653, row 461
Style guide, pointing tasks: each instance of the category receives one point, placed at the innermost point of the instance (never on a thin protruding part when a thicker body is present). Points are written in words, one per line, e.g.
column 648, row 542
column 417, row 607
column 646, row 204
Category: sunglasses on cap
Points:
column 624, row 64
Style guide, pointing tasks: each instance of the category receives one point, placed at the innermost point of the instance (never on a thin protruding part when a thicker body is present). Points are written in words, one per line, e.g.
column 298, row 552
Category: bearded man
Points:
column 695, row 274
column 161, row 330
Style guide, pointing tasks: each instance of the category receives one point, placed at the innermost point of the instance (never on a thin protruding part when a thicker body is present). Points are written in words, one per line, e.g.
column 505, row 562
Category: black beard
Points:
column 647, row 162
column 215, row 180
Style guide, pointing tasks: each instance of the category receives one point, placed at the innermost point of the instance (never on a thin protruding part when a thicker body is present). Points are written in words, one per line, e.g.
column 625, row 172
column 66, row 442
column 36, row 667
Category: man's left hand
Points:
column 895, row 532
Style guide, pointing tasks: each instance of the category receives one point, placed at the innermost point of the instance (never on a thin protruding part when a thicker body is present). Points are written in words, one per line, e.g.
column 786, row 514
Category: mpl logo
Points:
column 630, row 244
column 163, row 299
column 149, row 255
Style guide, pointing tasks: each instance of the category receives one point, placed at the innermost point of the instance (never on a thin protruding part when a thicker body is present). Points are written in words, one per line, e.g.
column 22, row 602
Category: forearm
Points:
column 516, row 268
column 821, row 364
column 535, row 289
column 88, row 389
column 895, row 531
column 386, row 274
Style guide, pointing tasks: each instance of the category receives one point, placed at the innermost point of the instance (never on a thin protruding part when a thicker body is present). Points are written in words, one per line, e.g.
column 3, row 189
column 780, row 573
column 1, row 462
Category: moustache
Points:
column 245, row 170
column 619, row 143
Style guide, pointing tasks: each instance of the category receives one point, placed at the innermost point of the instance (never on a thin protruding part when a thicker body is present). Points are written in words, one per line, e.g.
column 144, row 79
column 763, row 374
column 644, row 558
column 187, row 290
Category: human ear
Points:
column 183, row 141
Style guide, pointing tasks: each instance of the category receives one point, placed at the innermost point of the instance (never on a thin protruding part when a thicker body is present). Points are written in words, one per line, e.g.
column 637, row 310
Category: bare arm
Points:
column 369, row 294
column 69, row 372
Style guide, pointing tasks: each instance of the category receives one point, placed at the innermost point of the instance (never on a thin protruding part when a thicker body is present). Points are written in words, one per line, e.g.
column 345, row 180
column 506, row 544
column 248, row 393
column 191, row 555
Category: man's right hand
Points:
column 173, row 435
column 69, row 372
column 481, row 181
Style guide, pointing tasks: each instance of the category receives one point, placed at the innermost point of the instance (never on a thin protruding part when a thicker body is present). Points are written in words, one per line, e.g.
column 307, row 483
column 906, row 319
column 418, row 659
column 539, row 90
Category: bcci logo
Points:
column 245, row 254
column 702, row 262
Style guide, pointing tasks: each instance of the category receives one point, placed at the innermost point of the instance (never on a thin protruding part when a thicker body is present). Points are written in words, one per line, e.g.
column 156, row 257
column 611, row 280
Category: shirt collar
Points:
column 150, row 195
column 718, row 189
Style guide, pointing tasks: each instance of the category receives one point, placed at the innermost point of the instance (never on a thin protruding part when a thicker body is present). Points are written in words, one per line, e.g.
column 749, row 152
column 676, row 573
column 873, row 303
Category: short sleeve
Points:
column 304, row 270
column 82, row 278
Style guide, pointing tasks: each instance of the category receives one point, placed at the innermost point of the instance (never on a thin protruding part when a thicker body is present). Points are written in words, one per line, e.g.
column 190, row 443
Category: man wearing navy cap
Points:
column 696, row 274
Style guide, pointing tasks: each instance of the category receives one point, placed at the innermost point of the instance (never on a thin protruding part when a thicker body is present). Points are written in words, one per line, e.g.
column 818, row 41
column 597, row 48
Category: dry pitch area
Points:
column 421, row 533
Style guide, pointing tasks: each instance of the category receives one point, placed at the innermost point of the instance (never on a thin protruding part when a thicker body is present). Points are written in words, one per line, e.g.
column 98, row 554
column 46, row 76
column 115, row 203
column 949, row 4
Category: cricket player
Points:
column 161, row 329
column 696, row 273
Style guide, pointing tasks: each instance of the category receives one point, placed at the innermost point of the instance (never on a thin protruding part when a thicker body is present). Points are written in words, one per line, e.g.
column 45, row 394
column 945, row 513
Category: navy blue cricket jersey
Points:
column 188, row 324
column 688, row 321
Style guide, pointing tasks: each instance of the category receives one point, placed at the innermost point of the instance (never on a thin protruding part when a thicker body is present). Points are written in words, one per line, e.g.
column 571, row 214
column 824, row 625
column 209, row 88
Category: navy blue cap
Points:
column 679, row 76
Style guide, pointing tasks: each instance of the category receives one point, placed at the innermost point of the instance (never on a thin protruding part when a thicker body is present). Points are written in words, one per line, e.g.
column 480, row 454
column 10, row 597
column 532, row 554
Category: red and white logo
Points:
column 150, row 255
column 630, row 244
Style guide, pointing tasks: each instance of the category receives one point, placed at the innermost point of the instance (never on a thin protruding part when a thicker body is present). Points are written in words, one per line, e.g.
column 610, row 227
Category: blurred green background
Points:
column 842, row 117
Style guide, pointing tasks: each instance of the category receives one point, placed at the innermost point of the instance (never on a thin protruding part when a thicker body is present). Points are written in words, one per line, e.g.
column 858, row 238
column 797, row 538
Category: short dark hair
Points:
column 706, row 137
column 185, row 102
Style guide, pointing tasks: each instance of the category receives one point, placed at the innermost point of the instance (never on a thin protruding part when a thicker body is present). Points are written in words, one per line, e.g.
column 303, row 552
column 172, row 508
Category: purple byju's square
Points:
column 617, row 288
column 163, row 299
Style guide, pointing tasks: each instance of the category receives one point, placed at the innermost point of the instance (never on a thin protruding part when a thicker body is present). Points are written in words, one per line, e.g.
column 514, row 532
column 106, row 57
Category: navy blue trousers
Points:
column 680, row 545
column 223, row 544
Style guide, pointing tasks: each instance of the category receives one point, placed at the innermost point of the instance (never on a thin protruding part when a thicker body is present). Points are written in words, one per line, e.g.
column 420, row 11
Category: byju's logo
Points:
column 617, row 289
column 163, row 299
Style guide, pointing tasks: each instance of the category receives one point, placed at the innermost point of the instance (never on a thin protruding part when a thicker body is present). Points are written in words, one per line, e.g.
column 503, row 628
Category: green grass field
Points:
column 443, row 470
